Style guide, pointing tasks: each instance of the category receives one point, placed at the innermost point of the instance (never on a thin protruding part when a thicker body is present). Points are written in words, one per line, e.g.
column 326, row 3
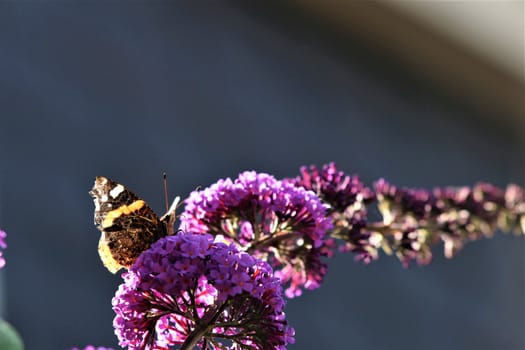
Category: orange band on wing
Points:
column 122, row 210
column 105, row 255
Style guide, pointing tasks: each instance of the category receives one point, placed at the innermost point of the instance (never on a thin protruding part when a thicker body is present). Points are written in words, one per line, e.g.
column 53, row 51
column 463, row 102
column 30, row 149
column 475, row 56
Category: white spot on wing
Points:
column 116, row 191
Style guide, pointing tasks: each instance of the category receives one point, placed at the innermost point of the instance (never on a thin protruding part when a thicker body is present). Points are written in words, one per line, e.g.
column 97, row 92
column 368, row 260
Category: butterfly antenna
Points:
column 166, row 191
column 170, row 216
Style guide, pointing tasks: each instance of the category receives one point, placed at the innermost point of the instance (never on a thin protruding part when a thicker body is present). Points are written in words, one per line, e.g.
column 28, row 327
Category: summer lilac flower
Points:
column 273, row 220
column 352, row 228
column 513, row 214
column 346, row 197
column 411, row 245
column 416, row 204
column 333, row 186
column 3, row 245
column 470, row 213
column 229, row 300
column 415, row 219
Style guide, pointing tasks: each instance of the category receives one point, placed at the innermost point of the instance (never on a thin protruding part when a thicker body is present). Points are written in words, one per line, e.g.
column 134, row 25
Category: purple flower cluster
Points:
column 415, row 219
column 412, row 219
column 513, row 214
column 188, row 290
column 346, row 198
column 276, row 221
column 352, row 228
column 3, row 245
column 409, row 203
column 333, row 186
column 470, row 213
column 406, row 213
column 411, row 245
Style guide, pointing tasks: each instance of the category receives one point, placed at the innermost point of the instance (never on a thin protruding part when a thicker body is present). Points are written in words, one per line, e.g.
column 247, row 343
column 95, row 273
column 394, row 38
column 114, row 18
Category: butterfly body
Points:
column 127, row 224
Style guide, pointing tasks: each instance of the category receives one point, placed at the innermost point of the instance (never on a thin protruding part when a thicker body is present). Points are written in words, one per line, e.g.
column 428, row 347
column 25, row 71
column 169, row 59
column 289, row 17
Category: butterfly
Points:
column 127, row 224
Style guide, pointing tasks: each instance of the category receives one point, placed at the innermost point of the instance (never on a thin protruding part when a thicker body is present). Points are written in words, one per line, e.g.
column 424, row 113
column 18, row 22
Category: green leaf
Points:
column 9, row 338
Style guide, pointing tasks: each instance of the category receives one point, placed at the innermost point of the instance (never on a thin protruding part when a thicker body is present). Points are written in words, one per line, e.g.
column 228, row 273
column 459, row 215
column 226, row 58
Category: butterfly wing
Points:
column 128, row 225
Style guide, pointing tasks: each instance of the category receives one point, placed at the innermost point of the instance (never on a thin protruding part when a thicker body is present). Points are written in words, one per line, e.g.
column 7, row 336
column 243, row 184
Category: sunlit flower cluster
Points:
column 274, row 220
column 188, row 290
column 415, row 219
column 346, row 198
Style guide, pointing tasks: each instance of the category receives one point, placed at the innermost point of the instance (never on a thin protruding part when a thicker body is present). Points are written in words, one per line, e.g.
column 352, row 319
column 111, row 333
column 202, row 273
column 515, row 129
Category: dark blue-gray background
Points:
column 204, row 90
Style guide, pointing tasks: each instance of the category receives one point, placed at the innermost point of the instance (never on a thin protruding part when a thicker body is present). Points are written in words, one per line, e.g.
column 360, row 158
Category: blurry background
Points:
column 422, row 93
